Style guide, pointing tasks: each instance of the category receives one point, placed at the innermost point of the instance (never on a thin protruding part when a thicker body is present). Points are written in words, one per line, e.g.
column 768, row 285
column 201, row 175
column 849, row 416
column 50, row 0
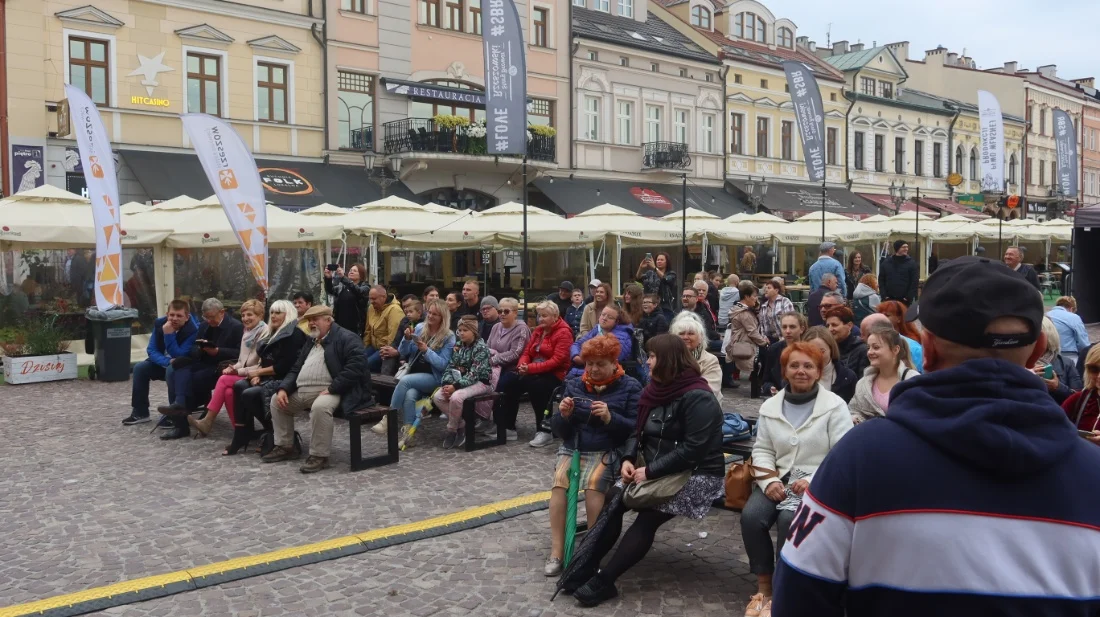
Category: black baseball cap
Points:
column 965, row 295
column 566, row 285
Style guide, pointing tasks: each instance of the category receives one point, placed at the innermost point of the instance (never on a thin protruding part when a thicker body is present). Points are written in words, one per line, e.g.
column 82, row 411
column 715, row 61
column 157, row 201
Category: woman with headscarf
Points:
column 596, row 415
column 677, row 435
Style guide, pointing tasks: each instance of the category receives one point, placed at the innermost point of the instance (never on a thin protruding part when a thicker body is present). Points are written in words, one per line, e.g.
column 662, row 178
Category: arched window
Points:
column 973, row 163
column 959, row 159
column 785, row 38
column 1012, row 169
column 750, row 27
column 700, row 17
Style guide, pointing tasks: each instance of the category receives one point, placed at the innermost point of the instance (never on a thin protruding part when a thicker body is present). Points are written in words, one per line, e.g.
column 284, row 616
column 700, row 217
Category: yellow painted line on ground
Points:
column 229, row 565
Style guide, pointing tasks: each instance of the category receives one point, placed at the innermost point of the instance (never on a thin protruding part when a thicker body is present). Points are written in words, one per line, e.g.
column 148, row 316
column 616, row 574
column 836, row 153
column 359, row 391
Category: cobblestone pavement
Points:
column 491, row 571
column 88, row 502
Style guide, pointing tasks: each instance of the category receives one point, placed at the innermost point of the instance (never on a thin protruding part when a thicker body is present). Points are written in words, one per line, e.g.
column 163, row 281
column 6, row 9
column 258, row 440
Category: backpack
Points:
column 861, row 307
column 736, row 428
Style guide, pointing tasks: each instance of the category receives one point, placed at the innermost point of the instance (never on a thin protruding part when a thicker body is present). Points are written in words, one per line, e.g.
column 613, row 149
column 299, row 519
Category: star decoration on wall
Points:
column 149, row 69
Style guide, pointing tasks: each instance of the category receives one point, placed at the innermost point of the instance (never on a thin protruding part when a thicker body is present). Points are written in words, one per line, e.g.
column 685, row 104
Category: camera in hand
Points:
column 332, row 267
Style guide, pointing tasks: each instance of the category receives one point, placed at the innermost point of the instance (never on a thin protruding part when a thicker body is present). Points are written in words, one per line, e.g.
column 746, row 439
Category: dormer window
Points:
column 700, row 17
column 750, row 27
column 785, row 38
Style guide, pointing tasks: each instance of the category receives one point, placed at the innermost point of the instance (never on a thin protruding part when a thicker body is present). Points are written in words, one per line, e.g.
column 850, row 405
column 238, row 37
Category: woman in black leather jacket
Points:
column 679, row 429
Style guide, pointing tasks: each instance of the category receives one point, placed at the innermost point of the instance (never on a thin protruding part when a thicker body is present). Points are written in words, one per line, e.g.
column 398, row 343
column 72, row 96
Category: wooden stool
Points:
column 370, row 415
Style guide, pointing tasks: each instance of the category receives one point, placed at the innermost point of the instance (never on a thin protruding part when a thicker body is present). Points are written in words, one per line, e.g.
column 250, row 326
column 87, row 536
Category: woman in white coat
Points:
column 796, row 430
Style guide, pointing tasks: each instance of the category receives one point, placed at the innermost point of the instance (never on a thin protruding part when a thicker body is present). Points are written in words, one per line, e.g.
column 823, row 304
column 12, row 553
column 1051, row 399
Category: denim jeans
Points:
column 410, row 389
column 374, row 359
column 144, row 372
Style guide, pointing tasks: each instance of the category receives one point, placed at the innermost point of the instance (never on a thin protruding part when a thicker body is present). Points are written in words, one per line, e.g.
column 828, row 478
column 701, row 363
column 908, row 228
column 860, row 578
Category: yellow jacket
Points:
column 382, row 325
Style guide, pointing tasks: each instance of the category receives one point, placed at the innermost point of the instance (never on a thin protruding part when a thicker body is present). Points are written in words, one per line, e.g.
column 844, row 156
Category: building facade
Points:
column 1045, row 92
column 144, row 62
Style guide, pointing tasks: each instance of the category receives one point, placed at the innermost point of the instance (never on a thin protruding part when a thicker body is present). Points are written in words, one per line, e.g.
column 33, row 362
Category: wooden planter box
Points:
column 37, row 369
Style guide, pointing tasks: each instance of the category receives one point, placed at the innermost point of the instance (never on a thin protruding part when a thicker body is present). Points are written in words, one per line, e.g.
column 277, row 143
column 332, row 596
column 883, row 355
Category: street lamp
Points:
column 757, row 200
column 1059, row 204
column 898, row 195
column 380, row 177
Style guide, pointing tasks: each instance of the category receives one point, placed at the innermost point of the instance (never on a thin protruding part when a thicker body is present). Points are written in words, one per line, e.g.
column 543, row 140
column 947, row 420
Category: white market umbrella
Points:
column 51, row 216
column 325, row 209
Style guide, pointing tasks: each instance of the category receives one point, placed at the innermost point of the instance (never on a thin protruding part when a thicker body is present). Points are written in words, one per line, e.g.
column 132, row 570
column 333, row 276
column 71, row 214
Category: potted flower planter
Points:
column 38, row 369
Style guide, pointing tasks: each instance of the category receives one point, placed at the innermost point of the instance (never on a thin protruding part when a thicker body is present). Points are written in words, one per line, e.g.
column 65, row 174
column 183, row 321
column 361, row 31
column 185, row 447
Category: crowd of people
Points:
column 975, row 382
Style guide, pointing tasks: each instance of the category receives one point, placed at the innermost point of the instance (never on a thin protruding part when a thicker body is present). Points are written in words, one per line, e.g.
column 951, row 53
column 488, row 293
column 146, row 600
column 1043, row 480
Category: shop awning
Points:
column 287, row 184
column 652, row 200
column 793, row 200
column 887, row 203
column 951, row 207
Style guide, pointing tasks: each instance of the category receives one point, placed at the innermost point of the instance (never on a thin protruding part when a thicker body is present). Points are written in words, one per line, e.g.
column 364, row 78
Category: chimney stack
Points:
column 1050, row 71
column 1010, row 67
column 840, row 48
column 856, row 47
column 952, row 59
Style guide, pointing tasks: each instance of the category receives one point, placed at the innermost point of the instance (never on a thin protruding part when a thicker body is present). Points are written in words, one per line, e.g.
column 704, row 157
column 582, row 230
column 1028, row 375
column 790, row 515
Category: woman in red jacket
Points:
column 541, row 369
column 1083, row 408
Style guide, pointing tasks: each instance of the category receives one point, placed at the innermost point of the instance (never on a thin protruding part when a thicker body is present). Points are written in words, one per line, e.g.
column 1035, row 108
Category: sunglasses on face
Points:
column 1093, row 368
column 505, row 311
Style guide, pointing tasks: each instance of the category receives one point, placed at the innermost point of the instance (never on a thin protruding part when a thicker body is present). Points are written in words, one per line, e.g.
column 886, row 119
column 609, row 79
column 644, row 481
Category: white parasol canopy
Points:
column 51, row 217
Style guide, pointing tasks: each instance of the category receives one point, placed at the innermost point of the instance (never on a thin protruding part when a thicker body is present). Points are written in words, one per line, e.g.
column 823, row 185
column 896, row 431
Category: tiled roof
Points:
column 738, row 49
column 651, row 35
column 932, row 100
column 854, row 60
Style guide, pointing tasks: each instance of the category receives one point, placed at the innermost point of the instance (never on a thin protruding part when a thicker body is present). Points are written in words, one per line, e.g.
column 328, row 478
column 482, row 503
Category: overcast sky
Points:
column 991, row 31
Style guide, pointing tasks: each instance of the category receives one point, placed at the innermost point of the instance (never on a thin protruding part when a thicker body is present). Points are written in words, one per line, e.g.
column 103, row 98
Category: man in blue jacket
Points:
column 972, row 496
column 171, row 339
column 827, row 264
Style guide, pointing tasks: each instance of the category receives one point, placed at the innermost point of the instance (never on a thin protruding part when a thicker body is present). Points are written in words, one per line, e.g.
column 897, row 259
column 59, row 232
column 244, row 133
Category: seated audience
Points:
column 890, row 364
column 218, row 340
column 678, row 430
column 170, row 342
column 835, row 377
column 596, row 415
column 895, row 310
column 414, row 311
column 303, row 301
column 431, row 294
column 601, row 297
column 653, row 320
column 468, row 374
column 427, row 350
column 329, row 374
column 384, row 314
column 278, row 351
column 613, row 321
column 1063, row 378
column 575, row 311
column 252, row 318
column 1083, row 408
column 853, row 351
column 865, row 297
column 490, row 316
column 916, row 351
column 796, row 430
column 506, row 344
column 793, row 325
column 563, row 297
column 689, row 300
column 689, row 328
column 541, row 368
column 632, row 303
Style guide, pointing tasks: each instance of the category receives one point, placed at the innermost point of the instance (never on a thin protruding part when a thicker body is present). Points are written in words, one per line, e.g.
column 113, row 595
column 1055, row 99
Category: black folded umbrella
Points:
column 585, row 561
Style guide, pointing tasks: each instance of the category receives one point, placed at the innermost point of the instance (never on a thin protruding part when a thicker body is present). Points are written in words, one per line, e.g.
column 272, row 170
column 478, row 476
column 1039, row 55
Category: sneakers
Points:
column 512, row 435
column 541, row 440
column 552, row 567
column 132, row 420
column 595, row 591
column 755, row 607
column 314, row 464
column 404, row 439
column 381, row 427
column 449, row 440
column 283, row 453
column 461, row 439
column 485, row 427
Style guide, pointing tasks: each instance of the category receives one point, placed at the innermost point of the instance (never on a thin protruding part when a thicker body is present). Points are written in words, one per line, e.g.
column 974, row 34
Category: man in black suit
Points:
column 218, row 340
column 1014, row 258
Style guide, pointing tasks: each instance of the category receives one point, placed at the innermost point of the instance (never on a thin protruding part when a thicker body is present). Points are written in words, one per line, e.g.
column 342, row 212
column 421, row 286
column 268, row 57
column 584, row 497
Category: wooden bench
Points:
column 383, row 385
column 470, row 417
column 368, row 416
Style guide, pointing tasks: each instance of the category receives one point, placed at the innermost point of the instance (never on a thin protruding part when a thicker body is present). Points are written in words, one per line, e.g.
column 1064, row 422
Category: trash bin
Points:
column 109, row 338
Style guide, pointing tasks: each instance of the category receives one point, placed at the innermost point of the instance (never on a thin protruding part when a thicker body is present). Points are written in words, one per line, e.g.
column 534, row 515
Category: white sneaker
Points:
column 380, row 428
column 541, row 440
column 512, row 435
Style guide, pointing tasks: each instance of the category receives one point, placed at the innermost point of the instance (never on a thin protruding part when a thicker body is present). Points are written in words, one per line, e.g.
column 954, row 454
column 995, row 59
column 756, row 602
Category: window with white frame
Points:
column 355, row 6
column 680, row 123
column 579, row 3
column 89, row 68
column 603, row 5
column 652, row 123
column 708, row 134
column 591, row 118
column 626, row 123
column 626, row 8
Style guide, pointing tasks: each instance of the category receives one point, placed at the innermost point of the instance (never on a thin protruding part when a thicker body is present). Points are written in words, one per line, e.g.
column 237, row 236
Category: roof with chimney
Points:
column 855, row 59
column 653, row 35
column 735, row 49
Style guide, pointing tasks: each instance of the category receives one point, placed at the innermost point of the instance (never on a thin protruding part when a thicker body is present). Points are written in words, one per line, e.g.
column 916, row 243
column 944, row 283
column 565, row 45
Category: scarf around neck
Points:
column 253, row 336
column 659, row 394
column 598, row 386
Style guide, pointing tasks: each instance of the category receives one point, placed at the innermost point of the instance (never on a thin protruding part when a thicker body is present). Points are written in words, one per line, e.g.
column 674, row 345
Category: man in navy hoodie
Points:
column 973, row 496
column 172, row 338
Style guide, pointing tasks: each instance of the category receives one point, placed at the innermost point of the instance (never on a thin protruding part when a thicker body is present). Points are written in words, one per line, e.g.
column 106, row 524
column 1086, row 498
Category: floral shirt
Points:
column 469, row 365
column 770, row 312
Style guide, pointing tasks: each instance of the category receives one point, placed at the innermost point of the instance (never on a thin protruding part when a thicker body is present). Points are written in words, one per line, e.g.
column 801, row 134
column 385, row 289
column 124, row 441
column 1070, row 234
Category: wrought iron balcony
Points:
column 425, row 135
column 665, row 155
column 362, row 139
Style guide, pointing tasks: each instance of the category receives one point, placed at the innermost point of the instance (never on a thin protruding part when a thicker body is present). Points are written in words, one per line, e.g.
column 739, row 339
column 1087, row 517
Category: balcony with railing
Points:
column 665, row 155
column 425, row 135
column 361, row 139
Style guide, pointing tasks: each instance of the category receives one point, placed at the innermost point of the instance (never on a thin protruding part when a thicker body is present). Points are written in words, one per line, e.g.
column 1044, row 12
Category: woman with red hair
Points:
column 895, row 310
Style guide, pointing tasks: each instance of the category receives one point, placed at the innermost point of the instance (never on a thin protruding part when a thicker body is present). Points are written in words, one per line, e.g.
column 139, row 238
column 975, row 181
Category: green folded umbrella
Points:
column 571, row 501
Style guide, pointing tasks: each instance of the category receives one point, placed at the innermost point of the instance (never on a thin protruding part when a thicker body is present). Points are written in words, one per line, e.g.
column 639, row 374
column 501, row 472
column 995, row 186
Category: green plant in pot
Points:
column 39, row 336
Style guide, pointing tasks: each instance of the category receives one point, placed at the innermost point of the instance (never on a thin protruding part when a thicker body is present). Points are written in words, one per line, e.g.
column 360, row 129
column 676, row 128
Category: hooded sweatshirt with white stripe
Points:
column 973, row 496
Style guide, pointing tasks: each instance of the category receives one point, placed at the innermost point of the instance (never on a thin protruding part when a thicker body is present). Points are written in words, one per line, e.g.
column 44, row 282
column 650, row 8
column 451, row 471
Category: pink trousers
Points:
column 223, row 393
column 452, row 405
